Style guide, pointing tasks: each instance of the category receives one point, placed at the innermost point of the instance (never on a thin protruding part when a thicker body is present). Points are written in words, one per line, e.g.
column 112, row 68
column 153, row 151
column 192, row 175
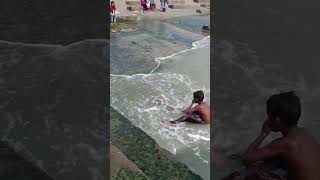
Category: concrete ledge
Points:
column 202, row 1
column 179, row 6
column 205, row 5
column 133, row 3
column 127, row 18
column 177, row 2
column 134, row 8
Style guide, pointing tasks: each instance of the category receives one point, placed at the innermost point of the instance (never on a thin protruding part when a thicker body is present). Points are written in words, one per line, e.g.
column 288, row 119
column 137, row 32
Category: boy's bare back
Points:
column 204, row 111
column 303, row 155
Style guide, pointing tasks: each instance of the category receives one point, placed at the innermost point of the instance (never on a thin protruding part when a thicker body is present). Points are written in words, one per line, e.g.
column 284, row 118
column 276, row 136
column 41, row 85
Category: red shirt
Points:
column 143, row 2
column 112, row 8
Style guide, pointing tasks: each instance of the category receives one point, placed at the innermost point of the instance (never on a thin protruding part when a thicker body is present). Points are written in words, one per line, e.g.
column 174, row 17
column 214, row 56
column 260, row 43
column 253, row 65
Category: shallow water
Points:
column 147, row 98
column 49, row 93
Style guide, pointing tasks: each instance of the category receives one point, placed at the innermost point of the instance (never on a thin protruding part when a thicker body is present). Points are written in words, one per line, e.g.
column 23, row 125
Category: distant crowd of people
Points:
column 150, row 5
column 147, row 5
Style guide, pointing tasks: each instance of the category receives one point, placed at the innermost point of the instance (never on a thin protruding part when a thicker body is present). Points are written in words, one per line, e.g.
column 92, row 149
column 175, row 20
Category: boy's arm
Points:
column 192, row 103
column 254, row 153
column 190, row 110
column 257, row 142
column 274, row 148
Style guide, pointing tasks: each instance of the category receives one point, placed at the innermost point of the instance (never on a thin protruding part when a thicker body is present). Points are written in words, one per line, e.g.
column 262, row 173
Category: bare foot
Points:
column 167, row 122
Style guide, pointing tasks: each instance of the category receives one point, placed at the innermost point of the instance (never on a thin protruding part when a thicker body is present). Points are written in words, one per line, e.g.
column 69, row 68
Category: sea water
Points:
column 147, row 99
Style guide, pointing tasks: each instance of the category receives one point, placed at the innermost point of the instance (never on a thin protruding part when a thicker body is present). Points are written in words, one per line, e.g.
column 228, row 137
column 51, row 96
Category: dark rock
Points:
column 205, row 29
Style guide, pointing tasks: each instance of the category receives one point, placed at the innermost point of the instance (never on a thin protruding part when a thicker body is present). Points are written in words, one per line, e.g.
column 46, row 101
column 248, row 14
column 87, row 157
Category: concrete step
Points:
column 126, row 18
column 134, row 8
column 177, row 2
column 179, row 6
column 202, row 1
column 133, row 3
column 205, row 5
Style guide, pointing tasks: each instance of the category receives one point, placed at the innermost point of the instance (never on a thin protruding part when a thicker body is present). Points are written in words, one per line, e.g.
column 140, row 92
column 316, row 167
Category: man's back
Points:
column 205, row 112
column 303, row 155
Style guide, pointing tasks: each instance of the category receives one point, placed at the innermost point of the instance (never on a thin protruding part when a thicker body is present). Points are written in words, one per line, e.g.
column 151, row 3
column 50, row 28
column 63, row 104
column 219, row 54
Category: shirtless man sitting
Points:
column 197, row 114
column 297, row 149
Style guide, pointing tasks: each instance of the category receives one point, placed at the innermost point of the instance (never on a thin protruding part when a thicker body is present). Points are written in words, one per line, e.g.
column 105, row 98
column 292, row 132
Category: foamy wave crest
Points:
column 195, row 45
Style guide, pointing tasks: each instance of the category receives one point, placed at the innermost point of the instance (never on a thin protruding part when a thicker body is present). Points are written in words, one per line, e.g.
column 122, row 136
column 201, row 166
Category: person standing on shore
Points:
column 148, row 4
column 112, row 10
column 144, row 5
column 163, row 5
column 152, row 5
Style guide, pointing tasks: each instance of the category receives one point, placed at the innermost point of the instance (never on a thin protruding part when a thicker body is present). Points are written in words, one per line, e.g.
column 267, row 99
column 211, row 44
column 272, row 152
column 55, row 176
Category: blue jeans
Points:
column 163, row 4
column 113, row 18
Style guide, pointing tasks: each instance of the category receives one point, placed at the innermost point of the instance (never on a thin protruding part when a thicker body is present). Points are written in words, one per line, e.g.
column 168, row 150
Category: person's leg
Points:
column 194, row 118
column 114, row 18
column 181, row 119
column 165, row 6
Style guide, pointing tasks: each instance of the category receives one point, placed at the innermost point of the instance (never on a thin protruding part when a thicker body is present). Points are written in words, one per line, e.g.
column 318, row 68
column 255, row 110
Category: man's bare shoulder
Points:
column 205, row 104
column 305, row 136
column 284, row 143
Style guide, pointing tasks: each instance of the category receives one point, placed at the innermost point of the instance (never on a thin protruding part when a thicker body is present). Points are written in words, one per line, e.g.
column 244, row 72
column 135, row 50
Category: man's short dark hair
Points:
column 112, row 2
column 198, row 95
column 286, row 106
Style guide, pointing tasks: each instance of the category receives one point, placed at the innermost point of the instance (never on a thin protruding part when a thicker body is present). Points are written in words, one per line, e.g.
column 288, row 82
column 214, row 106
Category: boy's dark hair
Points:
column 112, row 2
column 286, row 106
column 198, row 95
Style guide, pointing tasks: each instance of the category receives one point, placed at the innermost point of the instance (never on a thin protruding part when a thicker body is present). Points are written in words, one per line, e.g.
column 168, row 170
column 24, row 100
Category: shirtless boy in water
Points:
column 297, row 148
column 198, row 114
